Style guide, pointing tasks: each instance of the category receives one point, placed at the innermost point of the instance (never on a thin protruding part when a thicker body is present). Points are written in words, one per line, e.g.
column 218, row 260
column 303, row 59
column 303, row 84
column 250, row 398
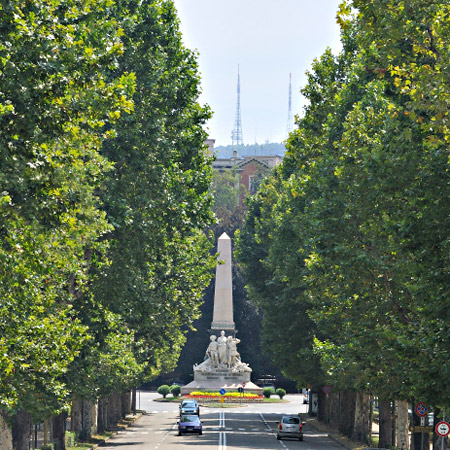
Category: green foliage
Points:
column 226, row 189
column 268, row 391
column 50, row 137
column 280, row 392
column 163, row 390
column 345, row 247
column 175, row 390
column 70, row 438
column 104, row 199
column 158, row 195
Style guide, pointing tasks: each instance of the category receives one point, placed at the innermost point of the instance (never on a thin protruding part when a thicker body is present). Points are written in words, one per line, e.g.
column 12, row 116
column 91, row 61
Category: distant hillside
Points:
column 250, row 150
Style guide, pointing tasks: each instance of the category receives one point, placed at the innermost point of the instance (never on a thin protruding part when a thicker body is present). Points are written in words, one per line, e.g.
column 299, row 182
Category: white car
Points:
column 306, row 397
column 290, row 427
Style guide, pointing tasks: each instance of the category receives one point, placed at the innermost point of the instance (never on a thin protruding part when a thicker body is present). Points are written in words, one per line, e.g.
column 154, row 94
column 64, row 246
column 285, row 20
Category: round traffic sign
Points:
column 442, row 429
column 421, row 409
column 243, row 384
column 326, row 389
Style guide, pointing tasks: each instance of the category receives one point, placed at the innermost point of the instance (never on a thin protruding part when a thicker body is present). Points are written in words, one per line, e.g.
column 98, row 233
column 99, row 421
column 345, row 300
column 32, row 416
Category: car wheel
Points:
column 200, row 433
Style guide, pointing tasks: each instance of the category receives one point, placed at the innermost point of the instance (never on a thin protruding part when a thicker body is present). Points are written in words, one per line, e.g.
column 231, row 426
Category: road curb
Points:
column 312, row 422
column 104, row 441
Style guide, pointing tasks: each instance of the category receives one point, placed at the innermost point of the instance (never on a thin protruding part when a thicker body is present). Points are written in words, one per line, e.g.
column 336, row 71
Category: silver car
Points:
column 189, row 407
column 290, row 427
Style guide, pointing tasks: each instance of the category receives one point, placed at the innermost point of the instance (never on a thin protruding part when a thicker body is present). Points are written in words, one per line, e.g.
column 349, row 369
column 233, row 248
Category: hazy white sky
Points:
column 268, row 39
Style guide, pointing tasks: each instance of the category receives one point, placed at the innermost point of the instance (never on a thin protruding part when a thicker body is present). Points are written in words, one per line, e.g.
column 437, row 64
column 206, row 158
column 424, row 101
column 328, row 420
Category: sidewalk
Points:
column 338, row 437
column 334, row 434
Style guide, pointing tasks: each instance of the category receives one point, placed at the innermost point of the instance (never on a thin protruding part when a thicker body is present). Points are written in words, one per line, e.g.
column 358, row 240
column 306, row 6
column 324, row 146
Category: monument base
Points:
column 217, row 385
column 214, row 379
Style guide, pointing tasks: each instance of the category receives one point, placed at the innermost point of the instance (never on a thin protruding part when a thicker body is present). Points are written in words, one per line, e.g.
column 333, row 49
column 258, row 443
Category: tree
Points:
column 51, row 167
column 158, row 196
column 95, row 188
column 350, row 220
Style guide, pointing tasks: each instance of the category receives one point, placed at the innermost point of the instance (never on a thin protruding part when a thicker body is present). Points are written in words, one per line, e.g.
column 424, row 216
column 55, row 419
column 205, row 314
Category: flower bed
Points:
column 228, row 397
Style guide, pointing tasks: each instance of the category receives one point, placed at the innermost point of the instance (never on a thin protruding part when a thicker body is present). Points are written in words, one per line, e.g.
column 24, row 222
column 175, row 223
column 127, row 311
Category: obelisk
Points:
column 223, row 293
column 220, row 370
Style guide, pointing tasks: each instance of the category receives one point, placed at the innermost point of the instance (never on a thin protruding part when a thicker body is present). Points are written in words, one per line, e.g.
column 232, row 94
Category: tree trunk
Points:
column 102, row 416
column 82, row 418
column 401, row 425
column 361, row 427
column 385, row 422
column 21, row 430
column 334, row 413
column 347, row 413
column 133, row 401
column 59, row 429
column 114, row 410
column 94, row 414
column 5, row 433
column 325, row 407
column 370, row 417
column 126, row 403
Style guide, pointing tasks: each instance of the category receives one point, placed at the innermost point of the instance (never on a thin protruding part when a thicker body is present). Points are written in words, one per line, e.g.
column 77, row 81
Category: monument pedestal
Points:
column 216, row 379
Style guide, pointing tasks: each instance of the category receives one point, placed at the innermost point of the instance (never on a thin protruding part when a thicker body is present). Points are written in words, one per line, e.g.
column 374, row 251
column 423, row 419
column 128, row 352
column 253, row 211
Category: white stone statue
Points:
column 212, row 351
column 222, row 354
column 232, row 353
column 222, row 348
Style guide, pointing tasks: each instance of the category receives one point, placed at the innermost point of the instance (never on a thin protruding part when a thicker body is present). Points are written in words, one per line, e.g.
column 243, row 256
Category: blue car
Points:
column 190, row 424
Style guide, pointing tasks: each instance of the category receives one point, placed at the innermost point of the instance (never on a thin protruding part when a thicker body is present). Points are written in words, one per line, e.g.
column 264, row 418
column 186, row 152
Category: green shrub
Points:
column 70, row 438
column 280, row 392
column 268, row 391
column 175, row 389
column 47, row 447
column 163, row 390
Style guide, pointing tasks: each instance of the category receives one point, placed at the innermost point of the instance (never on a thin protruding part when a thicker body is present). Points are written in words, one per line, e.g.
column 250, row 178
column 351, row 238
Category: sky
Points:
column 267, row 40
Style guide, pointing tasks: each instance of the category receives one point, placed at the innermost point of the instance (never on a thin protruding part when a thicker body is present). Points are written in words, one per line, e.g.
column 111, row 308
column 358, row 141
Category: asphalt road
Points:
column 249, row 426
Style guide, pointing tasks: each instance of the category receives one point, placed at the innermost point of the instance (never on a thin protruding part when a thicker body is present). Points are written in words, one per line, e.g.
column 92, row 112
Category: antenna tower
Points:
column 236, row 134
column 290, row 122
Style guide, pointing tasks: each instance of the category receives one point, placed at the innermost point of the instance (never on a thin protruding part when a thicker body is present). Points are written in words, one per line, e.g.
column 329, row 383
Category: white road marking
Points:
column 265, row 422
column 222, row 441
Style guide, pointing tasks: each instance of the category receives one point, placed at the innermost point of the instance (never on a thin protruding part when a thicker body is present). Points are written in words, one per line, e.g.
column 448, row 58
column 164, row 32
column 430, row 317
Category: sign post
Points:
column 443, row 430
column 421, row 411
column 222, row 392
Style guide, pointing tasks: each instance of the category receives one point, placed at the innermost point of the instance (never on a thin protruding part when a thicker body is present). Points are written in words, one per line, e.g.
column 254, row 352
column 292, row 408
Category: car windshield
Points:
column 190, row 419
column 295, row 420
column 189, row 405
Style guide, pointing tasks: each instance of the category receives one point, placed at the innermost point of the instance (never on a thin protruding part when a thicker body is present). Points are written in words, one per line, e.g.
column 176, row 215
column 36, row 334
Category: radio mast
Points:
column 290, row 122
column 236, row 134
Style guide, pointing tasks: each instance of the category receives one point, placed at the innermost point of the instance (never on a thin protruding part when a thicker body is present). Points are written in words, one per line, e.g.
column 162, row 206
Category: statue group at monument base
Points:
column 222, row 368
